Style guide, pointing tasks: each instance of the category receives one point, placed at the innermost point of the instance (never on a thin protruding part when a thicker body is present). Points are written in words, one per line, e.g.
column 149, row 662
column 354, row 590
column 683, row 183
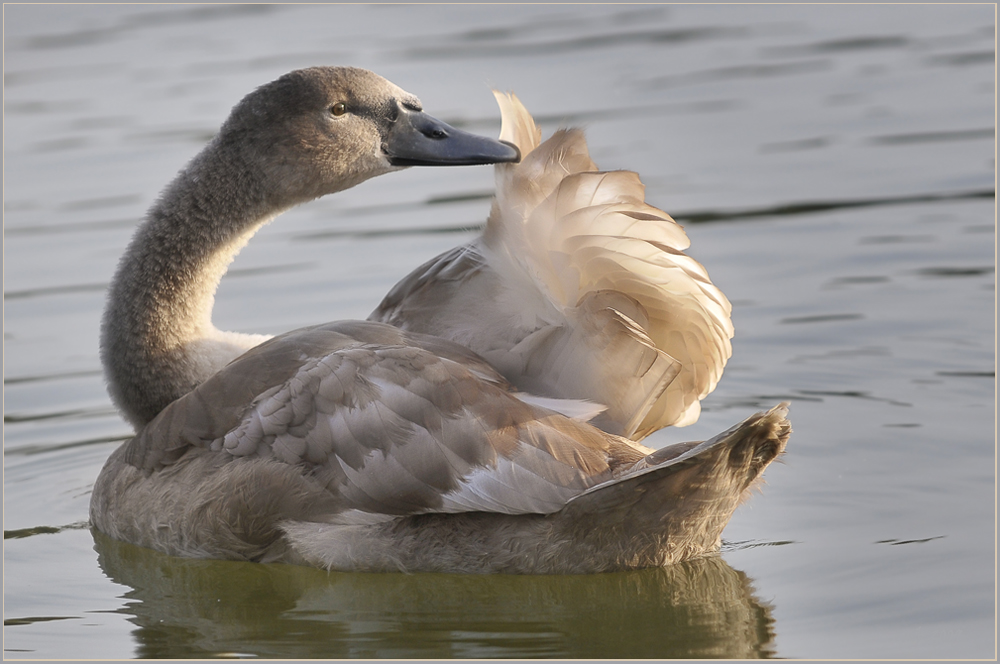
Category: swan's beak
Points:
column 417, row 139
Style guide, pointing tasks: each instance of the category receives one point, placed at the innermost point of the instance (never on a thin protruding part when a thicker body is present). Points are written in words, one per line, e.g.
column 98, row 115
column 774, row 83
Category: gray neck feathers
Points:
column 157, row 338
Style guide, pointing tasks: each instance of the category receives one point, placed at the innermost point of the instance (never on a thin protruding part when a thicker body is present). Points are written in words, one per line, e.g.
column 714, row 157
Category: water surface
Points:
column 834, row 167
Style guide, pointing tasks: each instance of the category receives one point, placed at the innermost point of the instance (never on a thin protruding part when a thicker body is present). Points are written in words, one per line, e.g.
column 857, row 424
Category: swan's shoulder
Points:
column 450, row 296
column 386, row 423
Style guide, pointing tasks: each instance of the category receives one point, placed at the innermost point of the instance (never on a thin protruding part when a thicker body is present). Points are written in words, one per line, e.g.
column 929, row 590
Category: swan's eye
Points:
column 338, row 109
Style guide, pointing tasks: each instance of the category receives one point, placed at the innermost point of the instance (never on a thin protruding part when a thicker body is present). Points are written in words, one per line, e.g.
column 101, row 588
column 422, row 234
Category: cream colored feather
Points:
column 577, row 231
column 577, row 289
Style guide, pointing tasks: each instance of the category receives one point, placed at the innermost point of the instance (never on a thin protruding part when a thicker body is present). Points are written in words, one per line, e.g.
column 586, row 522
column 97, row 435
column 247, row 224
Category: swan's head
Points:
column 320, row 130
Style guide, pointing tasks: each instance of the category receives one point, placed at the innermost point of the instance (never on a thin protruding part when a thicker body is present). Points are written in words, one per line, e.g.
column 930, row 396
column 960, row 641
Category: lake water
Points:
column 834, row 168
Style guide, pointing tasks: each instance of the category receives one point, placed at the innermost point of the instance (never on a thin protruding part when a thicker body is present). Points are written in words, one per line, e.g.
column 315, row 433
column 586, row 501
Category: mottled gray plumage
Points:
column 358, row 445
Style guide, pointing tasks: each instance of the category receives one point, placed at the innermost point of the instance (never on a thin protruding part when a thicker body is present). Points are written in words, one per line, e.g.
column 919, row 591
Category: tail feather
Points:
column 681, row 497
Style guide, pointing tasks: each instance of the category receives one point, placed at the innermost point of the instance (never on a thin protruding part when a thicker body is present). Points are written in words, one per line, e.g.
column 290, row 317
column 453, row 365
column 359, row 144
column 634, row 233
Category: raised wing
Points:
column 577, row 289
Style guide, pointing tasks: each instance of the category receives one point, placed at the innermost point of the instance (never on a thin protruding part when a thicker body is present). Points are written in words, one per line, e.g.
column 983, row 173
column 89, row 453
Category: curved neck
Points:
column 157, row 337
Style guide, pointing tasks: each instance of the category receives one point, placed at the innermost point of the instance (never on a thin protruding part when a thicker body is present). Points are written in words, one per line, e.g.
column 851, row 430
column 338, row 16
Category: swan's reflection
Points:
column 206, row 608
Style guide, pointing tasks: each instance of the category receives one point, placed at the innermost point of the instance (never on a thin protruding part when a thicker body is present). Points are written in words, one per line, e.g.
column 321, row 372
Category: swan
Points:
column 360, row 445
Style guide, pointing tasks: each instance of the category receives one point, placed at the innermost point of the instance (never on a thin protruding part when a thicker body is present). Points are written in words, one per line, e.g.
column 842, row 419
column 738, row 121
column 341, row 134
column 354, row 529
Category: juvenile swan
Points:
column 359, row 445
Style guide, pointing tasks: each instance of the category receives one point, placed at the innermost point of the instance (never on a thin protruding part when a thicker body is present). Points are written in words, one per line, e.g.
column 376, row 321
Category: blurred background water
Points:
column 834, row 168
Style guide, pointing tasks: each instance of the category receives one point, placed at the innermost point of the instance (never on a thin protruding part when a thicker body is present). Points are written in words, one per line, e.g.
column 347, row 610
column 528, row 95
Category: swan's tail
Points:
column 681, row 497
column 586, row 241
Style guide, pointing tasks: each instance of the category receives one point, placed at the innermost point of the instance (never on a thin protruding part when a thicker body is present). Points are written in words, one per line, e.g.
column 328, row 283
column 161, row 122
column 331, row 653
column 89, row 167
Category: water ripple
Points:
column 60, row 376
column 896, row 542
column 855, row 394
column 821, row 318
column 956, row 271
column 963, row 59
column 71, row 227
column 21, row 533
column 741, row 71
column 967, row 374
column 935, row 136
column 862, row 43
column 55, row 290
column 812, row 207
column 12, row 622
column 586, row 44
column 29, row 450
column 155, row 20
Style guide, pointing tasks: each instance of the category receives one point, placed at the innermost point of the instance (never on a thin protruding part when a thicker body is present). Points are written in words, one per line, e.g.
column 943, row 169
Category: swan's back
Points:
column 577, row 289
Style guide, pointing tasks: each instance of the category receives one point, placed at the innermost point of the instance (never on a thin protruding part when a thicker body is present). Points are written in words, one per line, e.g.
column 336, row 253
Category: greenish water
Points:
column 834, row 168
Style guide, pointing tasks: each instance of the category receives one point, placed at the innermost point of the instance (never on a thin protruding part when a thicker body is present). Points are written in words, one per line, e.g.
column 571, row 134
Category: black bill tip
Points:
column 418, row 139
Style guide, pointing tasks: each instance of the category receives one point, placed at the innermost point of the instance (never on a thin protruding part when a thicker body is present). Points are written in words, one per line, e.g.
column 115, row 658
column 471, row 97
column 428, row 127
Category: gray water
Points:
column 834, row 168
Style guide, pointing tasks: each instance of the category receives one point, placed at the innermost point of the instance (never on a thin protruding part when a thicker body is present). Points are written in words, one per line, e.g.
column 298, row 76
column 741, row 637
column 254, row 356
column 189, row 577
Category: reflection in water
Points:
column 203, row 608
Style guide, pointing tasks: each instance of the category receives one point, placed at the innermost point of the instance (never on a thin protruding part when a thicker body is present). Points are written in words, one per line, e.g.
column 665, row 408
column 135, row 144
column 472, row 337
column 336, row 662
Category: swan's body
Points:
column 358, row 445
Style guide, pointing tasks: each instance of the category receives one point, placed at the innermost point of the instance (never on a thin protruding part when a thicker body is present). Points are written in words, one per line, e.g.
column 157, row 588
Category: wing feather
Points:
column 393, row 423
column 560, row 237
